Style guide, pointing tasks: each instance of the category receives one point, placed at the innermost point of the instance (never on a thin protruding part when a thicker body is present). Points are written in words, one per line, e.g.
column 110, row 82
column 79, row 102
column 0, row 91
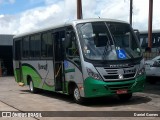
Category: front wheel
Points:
column 76, row 95
column 125, row 97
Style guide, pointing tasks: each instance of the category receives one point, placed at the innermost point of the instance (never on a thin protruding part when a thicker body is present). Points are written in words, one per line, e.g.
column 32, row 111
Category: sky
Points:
column 19, row 16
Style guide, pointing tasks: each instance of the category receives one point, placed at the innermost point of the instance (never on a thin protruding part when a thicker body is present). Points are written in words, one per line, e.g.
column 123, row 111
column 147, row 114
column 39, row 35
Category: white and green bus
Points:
column 84, row 58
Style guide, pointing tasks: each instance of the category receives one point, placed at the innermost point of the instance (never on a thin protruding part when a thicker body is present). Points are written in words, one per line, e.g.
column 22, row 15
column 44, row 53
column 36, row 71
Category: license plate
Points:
column 121, row 91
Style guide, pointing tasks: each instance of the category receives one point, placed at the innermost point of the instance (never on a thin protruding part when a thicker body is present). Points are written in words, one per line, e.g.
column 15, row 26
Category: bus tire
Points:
column 125, row 97
column 76, row 95
column 32, row 88
column 151, row 80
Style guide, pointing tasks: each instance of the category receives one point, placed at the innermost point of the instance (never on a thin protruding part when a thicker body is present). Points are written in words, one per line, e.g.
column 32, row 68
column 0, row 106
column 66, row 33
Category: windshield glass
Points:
column 108, row 41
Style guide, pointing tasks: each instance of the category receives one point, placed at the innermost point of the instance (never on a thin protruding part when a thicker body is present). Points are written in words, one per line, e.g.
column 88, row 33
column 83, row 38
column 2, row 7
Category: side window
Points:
column 47, row 45
column 35, row 46
column 58, row 46
column 25, row 45
column 158, row 39
column 32, row 46
column 44, row 46
column 72, row 52
column 37, row 43
column 17, row 49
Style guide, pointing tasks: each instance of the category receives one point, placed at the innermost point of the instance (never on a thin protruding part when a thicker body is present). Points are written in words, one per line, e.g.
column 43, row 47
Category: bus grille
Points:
column 125, row 76
column 120, row 74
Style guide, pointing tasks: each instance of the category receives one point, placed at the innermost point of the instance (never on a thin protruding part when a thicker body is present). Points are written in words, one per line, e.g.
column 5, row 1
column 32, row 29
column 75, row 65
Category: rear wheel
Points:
column 32, row 88
column 76, row 95
column 151, row 80
column 125, row 97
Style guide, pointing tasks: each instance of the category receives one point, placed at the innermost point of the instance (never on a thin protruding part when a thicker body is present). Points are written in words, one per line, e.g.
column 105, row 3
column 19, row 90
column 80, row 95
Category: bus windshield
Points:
column 108, row 41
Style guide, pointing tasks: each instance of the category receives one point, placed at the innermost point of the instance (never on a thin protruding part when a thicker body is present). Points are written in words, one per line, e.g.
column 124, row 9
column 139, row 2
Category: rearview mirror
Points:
column 100, row 39
column 136, row 31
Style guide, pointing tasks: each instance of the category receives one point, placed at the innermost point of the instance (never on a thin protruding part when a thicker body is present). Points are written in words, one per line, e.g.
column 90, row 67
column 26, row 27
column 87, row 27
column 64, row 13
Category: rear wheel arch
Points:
column 28, row 79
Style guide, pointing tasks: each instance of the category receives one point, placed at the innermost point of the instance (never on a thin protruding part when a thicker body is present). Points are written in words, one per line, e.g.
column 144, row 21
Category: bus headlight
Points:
column 93, row 74
column 141, row 71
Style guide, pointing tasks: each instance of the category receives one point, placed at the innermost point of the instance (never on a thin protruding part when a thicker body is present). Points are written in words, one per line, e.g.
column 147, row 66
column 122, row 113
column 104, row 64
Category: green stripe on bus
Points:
column 69, row 70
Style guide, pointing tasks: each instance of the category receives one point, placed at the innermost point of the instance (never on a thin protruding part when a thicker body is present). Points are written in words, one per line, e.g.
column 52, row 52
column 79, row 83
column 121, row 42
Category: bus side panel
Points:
column 73, row 74
column 16, row 72
column 40, row 73
column 17, row 75
column 30, row 72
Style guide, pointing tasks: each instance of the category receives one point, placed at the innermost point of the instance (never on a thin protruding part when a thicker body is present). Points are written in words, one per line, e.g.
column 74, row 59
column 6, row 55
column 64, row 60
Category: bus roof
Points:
column 96, row 20
column 67, row 24
column 153, row 31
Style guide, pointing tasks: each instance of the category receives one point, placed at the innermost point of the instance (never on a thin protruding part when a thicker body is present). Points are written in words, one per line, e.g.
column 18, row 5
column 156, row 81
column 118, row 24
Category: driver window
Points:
column 72, row 51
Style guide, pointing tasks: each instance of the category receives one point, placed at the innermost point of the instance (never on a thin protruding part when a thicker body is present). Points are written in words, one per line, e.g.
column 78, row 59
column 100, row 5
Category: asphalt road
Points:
column 16, row 98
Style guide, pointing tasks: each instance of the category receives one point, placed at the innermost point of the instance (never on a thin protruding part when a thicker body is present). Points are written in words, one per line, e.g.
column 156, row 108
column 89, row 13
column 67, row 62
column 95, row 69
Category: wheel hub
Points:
column 76, row 94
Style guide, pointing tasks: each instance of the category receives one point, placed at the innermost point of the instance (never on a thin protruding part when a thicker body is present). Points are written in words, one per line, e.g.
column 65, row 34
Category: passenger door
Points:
column 59, row 37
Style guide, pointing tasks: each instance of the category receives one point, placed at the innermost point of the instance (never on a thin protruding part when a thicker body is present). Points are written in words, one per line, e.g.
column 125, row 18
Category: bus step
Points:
column 21, row 84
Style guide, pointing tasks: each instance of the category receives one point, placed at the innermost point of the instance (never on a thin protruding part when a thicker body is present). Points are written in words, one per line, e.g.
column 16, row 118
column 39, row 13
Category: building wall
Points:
column 6, row 40
column 6, row 54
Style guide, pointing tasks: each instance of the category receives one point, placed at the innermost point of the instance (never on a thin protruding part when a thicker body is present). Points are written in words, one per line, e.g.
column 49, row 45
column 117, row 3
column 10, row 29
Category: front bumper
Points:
column 97, row 88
